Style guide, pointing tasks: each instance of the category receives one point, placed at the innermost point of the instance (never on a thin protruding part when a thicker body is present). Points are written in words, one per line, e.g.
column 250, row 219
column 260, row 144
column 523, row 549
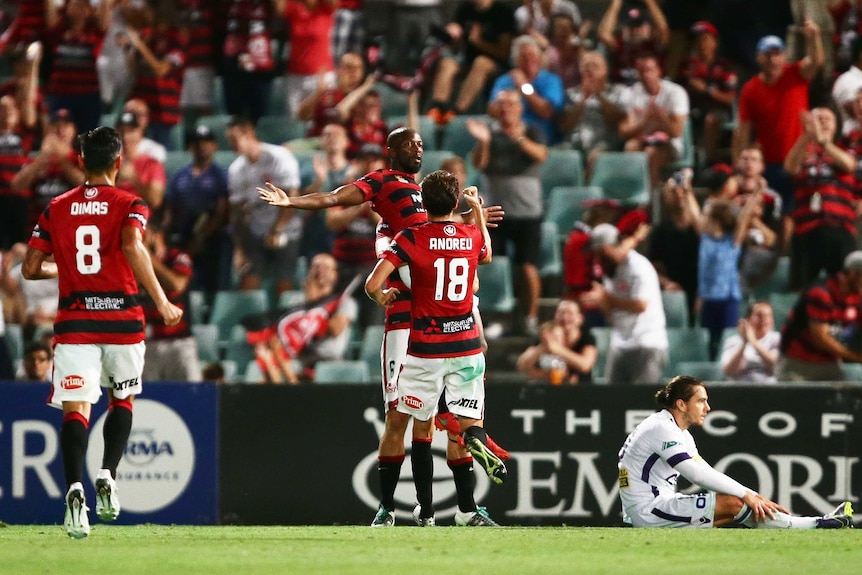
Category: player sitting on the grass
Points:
column 661, row 448
column 444, row 350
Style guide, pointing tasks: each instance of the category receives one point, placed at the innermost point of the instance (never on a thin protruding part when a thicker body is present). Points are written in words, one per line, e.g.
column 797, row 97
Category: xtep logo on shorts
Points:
column 72, row 382
column 464, row 402
column 413, row 402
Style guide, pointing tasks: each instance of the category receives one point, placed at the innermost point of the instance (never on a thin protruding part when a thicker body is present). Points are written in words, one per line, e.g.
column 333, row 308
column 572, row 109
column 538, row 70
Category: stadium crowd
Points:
column 682, row 176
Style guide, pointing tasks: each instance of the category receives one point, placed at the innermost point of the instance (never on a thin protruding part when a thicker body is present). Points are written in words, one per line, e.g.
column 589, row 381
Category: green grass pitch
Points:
column 229, row 550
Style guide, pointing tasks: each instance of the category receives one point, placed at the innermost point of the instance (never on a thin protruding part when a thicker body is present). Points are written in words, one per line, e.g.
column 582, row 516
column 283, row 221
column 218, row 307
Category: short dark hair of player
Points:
column 680, row 387
column 440, row 193
column 100, row 148
column 398, row 135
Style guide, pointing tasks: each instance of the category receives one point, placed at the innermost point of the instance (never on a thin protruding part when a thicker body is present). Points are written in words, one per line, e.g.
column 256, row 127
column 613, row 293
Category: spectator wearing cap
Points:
column 73, row 42
column 542, row 94
column 769, row 109
column 147, row 145
column 196, row 213
column 656, row 113
column 591, row 117
column 846, row 89
column 139, row 173
column 824, row 201
column 628, row 32
column 711, row 85
column 55, row 168
column 630, row 298
column 823, row 327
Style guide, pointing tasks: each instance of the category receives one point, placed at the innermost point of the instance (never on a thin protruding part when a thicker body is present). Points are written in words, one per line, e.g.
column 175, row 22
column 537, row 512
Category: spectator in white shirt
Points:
column 656, row 113
column 631, row 301
column 845, row 88
column 750, row 355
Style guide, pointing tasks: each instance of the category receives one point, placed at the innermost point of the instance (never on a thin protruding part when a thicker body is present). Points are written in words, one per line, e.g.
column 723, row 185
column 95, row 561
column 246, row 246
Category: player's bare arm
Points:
column 139, row 259
column 375, row 282
column 34, row 266
column 347, row 195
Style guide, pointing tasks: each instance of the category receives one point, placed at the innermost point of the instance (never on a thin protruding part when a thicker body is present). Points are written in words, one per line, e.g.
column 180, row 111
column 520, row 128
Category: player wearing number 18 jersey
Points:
column 444, row 351
column 94, row 232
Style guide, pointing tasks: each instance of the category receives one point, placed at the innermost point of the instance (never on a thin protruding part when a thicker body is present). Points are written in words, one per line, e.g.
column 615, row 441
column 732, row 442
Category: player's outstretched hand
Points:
column 274, row 196
column 493, row 215
column 171, row 313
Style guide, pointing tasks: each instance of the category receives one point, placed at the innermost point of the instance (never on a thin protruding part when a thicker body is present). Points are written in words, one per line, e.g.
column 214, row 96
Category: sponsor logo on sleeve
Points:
column 668, row 444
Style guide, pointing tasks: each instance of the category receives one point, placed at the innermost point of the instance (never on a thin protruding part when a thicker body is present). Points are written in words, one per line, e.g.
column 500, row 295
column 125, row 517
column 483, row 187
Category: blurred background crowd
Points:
column 680, row 178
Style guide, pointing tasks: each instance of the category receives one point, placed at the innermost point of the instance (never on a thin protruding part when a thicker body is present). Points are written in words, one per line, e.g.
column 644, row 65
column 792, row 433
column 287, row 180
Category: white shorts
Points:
column 422, row 380
column 198, row 88
column 82, row 370
column 392, row 356
column 674, row 510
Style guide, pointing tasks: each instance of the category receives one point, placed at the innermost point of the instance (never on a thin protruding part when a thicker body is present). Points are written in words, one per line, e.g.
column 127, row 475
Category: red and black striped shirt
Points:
column 442, row 258
column 199, row 20
column 28, row 26
column 73, row 62
column 99, row 300
column 162, row 94
column 824, row 302
column 15, row 148
column 823, row 195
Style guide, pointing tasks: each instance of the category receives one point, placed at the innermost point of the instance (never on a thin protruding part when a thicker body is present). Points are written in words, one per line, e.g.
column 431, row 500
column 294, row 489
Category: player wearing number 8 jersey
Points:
column 444, row 350
column 94, row 233
column 661, row 448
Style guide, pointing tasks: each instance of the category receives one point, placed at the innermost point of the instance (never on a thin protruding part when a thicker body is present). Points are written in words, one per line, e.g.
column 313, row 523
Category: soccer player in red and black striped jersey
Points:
column 823, row 327
column 445, row 350
column 94, row 232
column 397, row 198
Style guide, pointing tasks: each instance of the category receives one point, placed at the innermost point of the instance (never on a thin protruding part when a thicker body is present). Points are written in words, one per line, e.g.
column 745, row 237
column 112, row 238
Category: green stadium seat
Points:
column 280, row 129
column 496, row 292
column 206, row 336
column 602, row 336
column 230, row 306
column 369, row 349
column 238, row 349
column 252, row 373
column 562, row 168
column 278, row 97
column 176, row 161
column 564, row 206
column 675, row 308
column 290, row 298
column 224, row 158
column 15, row 341
column 781, row 304
column 550, row 251
column 778, row 282
column 623, row 176
column 342, row 371
column 198, row 308
column 456, row 137
column 702, row 370
column 686, row 344
column 394, row 101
